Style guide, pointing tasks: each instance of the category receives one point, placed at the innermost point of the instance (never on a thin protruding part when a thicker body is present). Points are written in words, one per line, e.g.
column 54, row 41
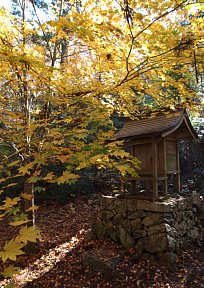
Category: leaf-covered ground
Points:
column 57, row 261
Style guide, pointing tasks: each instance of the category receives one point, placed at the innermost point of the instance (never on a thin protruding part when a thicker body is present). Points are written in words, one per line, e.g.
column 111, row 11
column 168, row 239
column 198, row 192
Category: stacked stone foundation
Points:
column 156, row 228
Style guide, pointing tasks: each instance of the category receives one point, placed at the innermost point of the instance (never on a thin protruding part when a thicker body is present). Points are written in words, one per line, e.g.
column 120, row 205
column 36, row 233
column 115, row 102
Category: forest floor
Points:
column 57, row 262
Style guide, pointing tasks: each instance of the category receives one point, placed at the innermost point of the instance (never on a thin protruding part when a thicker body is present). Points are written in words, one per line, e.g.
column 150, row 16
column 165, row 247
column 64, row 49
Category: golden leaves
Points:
column 9, row 202
column 28, row 234
column 67, row 177
column 10, row 271
column 11, row 250
column 26, row 169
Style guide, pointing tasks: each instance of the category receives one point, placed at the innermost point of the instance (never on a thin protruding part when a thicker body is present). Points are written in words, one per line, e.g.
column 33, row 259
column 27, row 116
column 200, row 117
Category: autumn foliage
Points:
column 62, row 80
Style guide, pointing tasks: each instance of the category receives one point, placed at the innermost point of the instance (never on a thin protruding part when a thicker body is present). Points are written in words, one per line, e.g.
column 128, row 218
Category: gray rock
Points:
column 139, row 234
column 131, row 205
column 127, row 225
column 189, row 214
column 140, row 245
column 124, row 202
column 125, row 239
column 106, row 215
column 190, row 223
column 167, row 206
column 137, row 214
column 112, row 234
column 182, row 203
column 119, row 207
column 109, row 225
column 177, row 216
column 153, row 219
column 107, row 202
column 163, row 228
column 102, row 261
column 136, row 224
column 118, row 219
column 193, row 233
column 99, row 229
column 159, row 243
column 181, row 228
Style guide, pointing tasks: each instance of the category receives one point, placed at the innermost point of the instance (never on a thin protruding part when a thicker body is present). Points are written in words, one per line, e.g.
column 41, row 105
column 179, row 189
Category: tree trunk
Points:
column 30, row 248
column 28, row 189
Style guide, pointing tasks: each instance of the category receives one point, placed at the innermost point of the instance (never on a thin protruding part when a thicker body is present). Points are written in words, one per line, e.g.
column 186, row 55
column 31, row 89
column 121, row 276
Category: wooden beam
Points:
column 165, row 170
column 178, row 175
column 155, row 168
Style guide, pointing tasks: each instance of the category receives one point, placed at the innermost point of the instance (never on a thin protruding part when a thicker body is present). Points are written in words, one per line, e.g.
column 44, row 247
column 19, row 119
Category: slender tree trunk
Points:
column 28, row 189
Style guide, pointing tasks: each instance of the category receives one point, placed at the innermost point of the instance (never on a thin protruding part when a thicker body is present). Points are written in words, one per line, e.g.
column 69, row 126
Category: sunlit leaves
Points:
column 26, row 234
column 67, row 177
column 10, row 271
column 9, row 202
column 25, row 169
column 11, row 250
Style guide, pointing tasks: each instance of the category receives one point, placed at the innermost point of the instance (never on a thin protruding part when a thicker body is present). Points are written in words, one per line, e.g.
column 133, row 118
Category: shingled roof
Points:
column 161, row 124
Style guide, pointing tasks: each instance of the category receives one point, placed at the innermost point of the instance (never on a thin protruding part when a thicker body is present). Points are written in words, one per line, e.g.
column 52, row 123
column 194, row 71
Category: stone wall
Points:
column 157, row 228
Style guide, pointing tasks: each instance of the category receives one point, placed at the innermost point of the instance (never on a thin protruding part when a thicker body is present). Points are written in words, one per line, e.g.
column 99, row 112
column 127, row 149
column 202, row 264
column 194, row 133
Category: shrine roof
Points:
column 158, row 123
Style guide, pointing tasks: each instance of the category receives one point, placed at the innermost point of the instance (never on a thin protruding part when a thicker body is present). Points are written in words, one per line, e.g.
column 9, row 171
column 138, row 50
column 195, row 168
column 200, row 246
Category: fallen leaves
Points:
column 57, row 261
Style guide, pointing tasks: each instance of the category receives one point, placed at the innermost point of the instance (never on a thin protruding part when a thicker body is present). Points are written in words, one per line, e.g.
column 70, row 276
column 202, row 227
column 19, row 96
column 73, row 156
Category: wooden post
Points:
column 155, row 169
column 178, row 176
column 165, row 170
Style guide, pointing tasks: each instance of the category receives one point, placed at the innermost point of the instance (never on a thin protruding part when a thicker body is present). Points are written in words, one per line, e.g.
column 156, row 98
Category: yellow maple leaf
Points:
column 66, row 177
column 19, row 222
column 49, row 176
column 28, row 234
column 9, row 202
column 10, row 271
column 32, row 208
column 11, row 250
column 13, row 163
column 26, row 196
column 25, row 169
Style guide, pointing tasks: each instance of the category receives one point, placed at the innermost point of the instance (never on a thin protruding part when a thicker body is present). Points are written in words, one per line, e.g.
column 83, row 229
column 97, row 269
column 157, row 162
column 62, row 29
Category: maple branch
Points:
column 159, row 17
column 13, row 145
column 40, row 24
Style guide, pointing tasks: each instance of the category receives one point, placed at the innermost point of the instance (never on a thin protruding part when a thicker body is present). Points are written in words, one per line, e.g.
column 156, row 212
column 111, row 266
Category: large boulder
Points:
column 159, row 243
column 103, row 261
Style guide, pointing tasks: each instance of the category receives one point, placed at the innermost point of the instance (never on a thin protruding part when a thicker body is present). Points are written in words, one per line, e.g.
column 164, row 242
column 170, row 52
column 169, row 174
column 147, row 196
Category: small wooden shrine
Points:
column 153, row 139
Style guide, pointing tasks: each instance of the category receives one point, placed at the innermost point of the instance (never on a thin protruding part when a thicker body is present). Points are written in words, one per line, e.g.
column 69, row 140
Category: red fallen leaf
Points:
column 148, row 276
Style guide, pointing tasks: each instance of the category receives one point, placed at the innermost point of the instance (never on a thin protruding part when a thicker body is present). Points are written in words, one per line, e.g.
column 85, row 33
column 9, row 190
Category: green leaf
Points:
column 39, row 189
column 13, row 211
